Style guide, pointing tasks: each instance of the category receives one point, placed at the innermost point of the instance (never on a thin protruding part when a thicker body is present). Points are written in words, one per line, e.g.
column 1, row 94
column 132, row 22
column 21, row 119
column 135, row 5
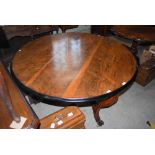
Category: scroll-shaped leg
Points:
column 96, row 115
column 104, row 104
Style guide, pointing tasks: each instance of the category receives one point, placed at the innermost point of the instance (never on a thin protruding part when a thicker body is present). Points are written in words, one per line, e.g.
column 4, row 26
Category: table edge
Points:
column 58, row 101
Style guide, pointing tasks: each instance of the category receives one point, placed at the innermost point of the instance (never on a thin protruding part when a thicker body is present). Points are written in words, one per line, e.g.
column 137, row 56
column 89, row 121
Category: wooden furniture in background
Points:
column 3, row 43
column 33, row 30
column 13, row 105
column 28, row 30
column 103, row 30
column 5, row 98
column 66, row 27
column 74, row 69
column 67, row 118
column 139, row 34
column 146, row 72
column 3, row 40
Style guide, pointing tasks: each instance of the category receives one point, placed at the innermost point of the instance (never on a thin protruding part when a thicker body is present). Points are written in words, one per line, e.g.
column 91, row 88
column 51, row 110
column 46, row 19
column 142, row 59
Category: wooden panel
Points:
column 17, row 30
column 74, row 65
column 146, row 72
column 25, row 30
column 74, row 122
column 143, row 32
column 20, row 106
column 30, row 30
column 38, row 29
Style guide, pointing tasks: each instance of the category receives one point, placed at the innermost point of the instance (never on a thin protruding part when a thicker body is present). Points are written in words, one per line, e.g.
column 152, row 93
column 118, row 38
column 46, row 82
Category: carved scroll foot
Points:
column 96, row 115
column 104, row 104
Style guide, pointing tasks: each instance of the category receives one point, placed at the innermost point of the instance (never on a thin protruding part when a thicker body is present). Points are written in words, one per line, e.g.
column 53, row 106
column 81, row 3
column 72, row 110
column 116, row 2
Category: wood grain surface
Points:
column 142, row 32
column 73, row 65
column 76, row 121
column 19, row 104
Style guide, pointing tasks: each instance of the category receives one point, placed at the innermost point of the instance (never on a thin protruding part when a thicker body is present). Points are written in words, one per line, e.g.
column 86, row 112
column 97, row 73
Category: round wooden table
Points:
column 74, row 69
column 139, row 34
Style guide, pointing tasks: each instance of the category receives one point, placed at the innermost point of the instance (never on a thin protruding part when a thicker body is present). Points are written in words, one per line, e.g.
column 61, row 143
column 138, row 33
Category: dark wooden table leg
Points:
column 104, row 104
column 134, row 47
column 96, row 110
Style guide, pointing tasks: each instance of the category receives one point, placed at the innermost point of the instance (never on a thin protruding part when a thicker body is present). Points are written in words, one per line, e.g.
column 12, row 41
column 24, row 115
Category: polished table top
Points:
column 73, row 66
column 136, row 32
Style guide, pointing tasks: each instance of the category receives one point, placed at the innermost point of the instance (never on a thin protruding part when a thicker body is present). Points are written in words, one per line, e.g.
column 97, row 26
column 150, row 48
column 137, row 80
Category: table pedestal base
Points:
column 104, row 104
